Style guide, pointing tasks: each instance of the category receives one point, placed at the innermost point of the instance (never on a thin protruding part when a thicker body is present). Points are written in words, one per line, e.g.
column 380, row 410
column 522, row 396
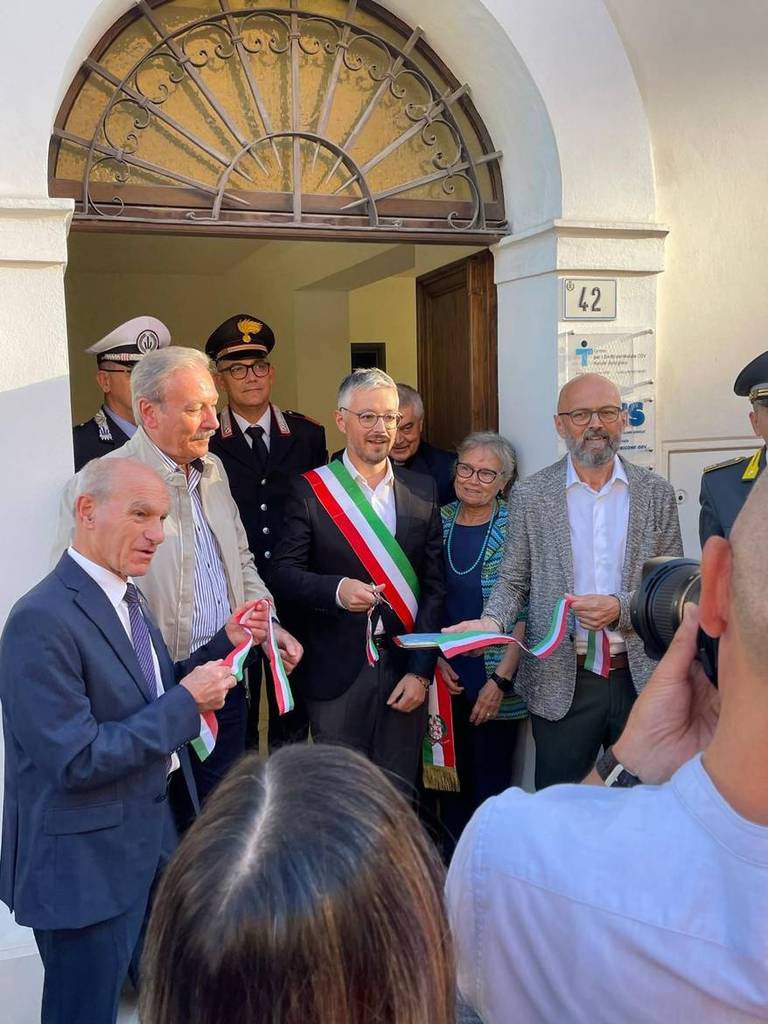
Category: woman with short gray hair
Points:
column 486, row 713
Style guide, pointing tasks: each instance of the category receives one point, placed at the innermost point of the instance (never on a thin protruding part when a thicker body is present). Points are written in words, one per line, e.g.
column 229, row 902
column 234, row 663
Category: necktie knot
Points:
column 255, row 433
column 131, row 595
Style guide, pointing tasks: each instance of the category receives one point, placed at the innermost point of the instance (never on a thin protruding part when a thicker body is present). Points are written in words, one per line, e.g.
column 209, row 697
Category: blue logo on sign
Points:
column 635, row 414
column 584, row 352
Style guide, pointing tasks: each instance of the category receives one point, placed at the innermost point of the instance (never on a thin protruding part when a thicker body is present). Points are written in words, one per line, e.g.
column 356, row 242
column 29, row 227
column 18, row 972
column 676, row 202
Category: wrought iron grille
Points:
column 333, row 117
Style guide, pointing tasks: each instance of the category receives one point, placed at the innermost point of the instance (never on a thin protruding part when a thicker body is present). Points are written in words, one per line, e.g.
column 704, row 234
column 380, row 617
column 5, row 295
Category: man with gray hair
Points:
column 96, row 719
column 581, row 527
column 205, row 568
column 360, row 561
column 412, row 452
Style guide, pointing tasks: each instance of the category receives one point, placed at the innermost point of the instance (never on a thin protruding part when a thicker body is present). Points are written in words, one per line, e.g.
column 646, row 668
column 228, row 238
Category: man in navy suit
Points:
column 94, row 725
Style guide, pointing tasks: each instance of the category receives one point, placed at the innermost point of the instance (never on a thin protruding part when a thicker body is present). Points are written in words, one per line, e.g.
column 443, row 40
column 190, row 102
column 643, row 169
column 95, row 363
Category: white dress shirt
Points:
column 382, row 500
column 598, row 522
column 114, row 588
column 265, row 422
column 588, row 905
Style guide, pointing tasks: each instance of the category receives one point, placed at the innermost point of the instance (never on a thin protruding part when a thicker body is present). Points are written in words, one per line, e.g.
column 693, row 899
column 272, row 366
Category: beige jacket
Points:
column 169, row 584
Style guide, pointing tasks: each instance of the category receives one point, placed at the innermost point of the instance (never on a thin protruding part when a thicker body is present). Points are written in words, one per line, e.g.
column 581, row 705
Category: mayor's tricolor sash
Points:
column 383, row 558
column 598, row 658
column 438, row 748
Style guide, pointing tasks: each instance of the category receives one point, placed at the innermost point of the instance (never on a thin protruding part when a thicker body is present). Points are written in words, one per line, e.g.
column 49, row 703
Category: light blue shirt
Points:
column 588, row 905
column 128, row 428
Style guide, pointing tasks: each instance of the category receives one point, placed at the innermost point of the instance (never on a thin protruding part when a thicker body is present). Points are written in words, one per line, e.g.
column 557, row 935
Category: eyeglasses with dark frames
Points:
column 368, row 420
column 465, row 472
column 239, row 371
column 581, row 417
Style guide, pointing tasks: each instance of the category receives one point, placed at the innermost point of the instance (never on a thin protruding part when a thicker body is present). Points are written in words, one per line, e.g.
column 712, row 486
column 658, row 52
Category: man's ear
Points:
column 84, row 509
column 340, row 423
column 147, row 413
column 716, row 571
column 558, row 425
column 102, row 379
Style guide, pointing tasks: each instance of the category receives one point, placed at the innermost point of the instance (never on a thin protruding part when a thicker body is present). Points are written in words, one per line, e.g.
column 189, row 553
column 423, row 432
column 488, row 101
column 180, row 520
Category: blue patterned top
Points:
column 512, row 706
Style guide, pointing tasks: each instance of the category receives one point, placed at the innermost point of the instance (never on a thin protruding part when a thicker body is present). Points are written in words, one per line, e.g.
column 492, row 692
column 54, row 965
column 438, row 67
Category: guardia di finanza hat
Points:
column 753, row 380
column 240, row 336
column 131, row 341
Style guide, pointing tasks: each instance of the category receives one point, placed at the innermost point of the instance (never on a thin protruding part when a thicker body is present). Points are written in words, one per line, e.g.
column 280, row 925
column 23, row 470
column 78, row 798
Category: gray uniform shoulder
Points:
column 739, row 460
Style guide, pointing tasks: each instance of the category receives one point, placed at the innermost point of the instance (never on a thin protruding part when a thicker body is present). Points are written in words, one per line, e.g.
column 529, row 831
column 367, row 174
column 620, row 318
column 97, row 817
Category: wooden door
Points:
column 456, row 346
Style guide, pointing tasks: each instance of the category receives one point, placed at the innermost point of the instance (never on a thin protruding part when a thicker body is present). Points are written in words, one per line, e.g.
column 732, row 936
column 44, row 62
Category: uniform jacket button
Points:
column 267, row 554
column 263, row 508
column 265, row 529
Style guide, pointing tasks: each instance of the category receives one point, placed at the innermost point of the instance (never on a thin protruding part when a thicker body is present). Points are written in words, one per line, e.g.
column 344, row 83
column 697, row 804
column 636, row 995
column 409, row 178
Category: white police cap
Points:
column 131, row 340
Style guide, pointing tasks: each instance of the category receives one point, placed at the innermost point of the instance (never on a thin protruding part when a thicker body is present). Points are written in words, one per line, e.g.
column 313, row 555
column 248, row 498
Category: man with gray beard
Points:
column 583, row 526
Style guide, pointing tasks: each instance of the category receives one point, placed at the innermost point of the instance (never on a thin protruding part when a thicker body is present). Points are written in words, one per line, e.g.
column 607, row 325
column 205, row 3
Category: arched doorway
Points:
column 319, row 120
column 323, row 118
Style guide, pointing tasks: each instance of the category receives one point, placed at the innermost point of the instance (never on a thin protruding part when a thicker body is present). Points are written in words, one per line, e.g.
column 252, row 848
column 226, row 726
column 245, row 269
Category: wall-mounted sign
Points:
column 589, row 298
column 629, row 360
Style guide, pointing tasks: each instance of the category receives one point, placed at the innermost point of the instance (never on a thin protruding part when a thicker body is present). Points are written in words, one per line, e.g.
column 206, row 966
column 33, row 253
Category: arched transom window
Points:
column 318, row 117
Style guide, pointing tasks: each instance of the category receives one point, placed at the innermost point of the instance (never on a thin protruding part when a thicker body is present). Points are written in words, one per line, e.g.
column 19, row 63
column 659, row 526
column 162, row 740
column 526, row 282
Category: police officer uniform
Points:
column 125, row 345
column 726, row 486
column 259, row 469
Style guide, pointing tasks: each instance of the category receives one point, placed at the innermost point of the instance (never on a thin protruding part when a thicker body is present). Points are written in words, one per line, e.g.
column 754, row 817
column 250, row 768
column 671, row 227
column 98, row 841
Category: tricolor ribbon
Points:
column 283, row 694
column 598, row 659
column 209, row 727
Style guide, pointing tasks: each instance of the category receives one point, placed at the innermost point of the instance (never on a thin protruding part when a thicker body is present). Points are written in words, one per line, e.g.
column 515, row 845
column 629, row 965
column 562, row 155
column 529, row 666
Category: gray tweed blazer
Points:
column 538, row 569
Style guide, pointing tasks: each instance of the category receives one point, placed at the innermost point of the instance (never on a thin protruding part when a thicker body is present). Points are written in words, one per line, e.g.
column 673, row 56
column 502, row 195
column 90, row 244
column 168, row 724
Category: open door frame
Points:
column 457, row 349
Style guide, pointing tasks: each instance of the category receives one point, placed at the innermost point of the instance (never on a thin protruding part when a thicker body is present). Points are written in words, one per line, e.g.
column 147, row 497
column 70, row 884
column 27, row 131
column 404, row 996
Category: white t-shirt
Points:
column 603, row 906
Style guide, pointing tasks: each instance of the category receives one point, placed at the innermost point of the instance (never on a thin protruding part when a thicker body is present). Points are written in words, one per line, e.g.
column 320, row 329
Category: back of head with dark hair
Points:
column 306, row 893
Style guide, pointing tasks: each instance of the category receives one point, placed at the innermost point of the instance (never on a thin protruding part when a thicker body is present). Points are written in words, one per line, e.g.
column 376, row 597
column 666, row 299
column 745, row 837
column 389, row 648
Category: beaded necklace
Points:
column 466, row 572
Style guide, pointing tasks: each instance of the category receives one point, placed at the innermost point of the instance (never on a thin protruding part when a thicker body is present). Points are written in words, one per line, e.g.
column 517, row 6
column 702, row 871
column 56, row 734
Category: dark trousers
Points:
column 292, row 727
column 85, row 968
column 566, row 750
column 230, row 743
column 361, row 719
column 484, row 761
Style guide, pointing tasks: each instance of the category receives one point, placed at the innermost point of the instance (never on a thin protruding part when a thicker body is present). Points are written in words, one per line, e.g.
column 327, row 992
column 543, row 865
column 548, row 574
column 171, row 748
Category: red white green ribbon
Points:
column 368, row 536
column 598, row 657
column 283, row 694
column 371, row 650
column 439, row 749
column 209, row 727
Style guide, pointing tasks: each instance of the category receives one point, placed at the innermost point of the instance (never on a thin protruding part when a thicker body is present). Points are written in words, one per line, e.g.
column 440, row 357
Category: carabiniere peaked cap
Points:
column 240, row 336
column 752, row 382
column 131, row 341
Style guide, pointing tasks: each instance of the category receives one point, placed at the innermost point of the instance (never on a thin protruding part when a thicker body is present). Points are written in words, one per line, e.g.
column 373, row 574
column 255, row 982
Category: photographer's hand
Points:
column 675, row 716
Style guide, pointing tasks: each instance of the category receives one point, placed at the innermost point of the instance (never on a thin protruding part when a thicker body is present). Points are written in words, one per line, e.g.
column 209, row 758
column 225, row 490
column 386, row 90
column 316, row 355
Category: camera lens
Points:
column 657, row 607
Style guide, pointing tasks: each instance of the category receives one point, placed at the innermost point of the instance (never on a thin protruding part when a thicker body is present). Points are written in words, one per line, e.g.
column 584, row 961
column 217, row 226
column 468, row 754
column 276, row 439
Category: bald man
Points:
column 583, row 526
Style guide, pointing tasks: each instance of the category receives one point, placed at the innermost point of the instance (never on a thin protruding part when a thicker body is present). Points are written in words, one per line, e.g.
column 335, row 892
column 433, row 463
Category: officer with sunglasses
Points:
column 262, row 448
column 116, row 355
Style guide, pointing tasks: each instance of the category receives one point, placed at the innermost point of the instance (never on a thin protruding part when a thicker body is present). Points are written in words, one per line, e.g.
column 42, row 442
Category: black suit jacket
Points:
column 261, row 498
column 88, row 442
column 312, row 559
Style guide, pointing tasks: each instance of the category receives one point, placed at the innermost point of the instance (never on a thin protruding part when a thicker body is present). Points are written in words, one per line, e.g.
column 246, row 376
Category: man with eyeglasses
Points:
column 262, row 447
column 583, row 526
column 116, row 355
column 360, row 561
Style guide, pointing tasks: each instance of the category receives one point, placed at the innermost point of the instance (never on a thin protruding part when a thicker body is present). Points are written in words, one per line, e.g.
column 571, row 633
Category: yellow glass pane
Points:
column 213, row 104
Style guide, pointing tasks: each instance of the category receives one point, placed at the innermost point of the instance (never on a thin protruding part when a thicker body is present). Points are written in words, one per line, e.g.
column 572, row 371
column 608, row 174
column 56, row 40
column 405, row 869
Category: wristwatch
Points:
column 505, row 685
column 613, row 772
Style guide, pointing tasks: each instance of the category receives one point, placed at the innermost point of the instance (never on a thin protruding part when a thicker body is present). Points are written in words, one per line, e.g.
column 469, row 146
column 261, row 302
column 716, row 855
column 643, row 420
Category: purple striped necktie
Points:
column 142, row 642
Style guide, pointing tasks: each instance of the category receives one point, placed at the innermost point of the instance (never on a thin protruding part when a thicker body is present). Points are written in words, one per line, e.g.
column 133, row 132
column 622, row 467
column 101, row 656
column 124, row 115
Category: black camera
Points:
column 657, row 608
